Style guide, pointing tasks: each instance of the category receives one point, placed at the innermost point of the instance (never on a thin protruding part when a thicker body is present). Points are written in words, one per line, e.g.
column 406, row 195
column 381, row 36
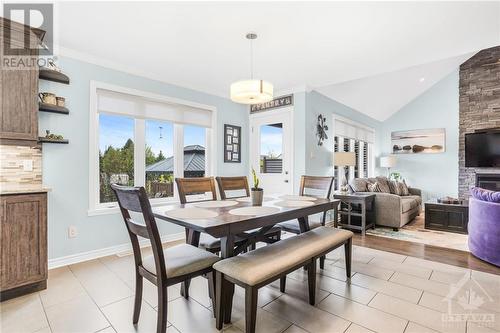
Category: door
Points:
column 271, row 148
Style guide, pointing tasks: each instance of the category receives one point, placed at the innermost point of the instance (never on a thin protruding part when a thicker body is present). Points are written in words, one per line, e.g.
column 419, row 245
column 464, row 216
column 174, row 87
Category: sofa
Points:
column 391, row 210
column 484, row 225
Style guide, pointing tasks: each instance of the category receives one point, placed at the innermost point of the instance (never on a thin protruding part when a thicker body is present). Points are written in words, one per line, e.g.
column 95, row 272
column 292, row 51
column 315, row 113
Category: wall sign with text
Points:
column 232, row 144
column 278, row 102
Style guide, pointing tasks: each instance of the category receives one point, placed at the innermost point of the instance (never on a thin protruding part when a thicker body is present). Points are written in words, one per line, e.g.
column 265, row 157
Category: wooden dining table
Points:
column 228, row 227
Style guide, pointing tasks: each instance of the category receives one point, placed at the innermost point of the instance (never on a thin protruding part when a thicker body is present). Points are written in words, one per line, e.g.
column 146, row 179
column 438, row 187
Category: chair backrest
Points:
column 233, row 184
column 320, row 184
column 135, row 199
column 197, row 185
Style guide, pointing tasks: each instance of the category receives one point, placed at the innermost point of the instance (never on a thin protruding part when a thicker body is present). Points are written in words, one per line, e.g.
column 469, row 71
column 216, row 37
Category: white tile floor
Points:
column 388, row 293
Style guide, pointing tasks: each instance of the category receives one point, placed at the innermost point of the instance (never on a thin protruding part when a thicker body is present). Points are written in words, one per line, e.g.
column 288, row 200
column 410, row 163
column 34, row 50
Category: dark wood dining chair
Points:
column 240, row 184
column 165, row 267
column 322, row 186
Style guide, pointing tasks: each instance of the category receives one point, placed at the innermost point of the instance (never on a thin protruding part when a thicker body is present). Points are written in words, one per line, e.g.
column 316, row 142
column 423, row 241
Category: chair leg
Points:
column 161, row 324
column 219, row 300
column 185, row 288
column 211, row 289
column 322, row 262
column 251, row 294
column 311, row 281
column 348, row 257
column 138, row 297
column 283, row 283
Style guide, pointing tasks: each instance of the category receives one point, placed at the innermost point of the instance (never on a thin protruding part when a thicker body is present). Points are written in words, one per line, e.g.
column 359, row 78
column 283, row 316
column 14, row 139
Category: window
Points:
column 141, row 139
column 353, row 137
column 116, row 154
column 271, row 148
column 159, row 157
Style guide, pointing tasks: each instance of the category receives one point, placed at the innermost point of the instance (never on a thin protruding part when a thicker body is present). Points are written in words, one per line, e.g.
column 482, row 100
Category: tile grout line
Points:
column 44, row 311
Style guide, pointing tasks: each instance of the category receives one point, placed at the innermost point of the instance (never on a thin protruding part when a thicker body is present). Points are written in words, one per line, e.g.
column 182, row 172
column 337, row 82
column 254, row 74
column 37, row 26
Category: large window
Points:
column 140, row 139
column 352, row 137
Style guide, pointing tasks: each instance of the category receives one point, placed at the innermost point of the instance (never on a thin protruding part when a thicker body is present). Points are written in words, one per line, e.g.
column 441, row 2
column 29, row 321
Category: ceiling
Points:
column 201, row 45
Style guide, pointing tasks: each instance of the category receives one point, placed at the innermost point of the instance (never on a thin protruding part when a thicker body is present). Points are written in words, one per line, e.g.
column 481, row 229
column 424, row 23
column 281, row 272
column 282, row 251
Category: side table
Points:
column 356, row 211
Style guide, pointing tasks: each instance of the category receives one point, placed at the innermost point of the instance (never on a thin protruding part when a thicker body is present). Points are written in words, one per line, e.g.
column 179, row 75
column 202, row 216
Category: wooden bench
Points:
column 258, row 268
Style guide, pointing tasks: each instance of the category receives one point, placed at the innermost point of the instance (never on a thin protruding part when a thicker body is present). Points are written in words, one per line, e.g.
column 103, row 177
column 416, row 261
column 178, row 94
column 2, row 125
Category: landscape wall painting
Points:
column 425, row 141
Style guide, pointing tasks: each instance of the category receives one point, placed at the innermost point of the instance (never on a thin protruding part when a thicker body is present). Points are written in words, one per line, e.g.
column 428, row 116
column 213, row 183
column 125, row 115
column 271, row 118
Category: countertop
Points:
column 27, row 189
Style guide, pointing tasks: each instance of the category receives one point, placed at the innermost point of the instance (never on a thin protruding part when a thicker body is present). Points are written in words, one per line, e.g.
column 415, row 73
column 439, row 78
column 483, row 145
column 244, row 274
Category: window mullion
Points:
column 139, row 152
column 178, row 153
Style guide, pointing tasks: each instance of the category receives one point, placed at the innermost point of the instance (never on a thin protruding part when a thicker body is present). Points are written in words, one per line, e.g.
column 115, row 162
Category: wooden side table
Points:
column 356, row 211
column 447, row 217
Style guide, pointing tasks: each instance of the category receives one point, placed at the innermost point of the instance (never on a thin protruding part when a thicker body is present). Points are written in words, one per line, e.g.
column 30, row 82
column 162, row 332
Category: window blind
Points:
column 140, row 107
column 351, row 131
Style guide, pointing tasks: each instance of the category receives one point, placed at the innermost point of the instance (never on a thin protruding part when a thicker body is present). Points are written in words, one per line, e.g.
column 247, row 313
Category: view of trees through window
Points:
column 116, row 155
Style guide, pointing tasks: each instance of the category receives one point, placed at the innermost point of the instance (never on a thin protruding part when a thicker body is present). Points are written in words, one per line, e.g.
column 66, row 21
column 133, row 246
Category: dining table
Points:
column 237, row 218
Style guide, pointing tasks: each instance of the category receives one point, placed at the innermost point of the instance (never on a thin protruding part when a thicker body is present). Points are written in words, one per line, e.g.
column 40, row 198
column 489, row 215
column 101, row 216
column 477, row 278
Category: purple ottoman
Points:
column 484, row 225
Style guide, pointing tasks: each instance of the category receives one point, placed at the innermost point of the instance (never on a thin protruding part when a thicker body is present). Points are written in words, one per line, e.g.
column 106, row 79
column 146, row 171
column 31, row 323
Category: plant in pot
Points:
column 256, row 192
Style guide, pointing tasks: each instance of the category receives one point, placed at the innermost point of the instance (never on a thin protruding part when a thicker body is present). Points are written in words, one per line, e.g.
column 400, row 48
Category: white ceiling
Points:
column 314, row 44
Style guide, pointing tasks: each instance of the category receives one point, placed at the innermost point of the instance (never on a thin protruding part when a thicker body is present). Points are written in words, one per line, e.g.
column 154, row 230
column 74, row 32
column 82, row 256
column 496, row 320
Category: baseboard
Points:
column 107, row 251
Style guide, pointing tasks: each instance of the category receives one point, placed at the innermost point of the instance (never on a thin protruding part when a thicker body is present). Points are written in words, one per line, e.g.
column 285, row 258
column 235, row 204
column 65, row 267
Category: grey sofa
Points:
column 391, row 210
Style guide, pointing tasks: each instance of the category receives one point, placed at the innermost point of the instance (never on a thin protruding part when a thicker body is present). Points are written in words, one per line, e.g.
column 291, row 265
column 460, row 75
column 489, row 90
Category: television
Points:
column 482, row 149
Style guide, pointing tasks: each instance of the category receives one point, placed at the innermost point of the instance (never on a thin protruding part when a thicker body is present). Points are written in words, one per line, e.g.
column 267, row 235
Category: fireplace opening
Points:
column 489, row 181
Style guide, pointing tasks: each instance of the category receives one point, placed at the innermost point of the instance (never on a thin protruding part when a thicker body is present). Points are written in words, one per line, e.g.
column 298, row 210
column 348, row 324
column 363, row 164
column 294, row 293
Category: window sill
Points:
column 114, row 209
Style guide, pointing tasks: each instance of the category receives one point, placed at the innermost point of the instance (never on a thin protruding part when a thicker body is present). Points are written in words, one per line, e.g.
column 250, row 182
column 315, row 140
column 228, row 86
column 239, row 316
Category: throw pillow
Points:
column 359, row 184
column 383, row 184
column 373, row 187
column 394, row 187
column 404, row 188
column 485, row 195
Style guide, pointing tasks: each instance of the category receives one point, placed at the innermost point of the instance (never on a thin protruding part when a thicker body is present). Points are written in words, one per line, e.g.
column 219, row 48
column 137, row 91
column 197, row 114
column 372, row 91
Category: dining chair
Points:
column 201, row 186
column 165, row 267
column 319, row 186
column 239, row 185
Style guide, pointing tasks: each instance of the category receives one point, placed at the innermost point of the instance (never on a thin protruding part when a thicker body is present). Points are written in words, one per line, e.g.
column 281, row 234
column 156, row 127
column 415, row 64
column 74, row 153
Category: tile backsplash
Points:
column 12, row 167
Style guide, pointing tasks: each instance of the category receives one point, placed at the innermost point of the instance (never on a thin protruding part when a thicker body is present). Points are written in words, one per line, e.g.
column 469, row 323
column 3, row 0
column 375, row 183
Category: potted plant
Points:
column 256, row 192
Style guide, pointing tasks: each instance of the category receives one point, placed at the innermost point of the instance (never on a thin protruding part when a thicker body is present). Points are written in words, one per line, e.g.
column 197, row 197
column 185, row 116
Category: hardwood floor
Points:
column 429, row 252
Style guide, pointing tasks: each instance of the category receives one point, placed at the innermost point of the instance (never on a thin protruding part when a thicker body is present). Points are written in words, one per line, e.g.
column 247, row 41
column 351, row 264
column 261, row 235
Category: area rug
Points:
column 415, row 232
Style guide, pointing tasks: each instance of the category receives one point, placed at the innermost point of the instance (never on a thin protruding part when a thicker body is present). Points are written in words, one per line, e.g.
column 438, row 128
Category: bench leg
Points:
column 219, row 300
column 251, row 294
column 283, row 283
column 311, row 281
column 322, row 262
column 348, row 258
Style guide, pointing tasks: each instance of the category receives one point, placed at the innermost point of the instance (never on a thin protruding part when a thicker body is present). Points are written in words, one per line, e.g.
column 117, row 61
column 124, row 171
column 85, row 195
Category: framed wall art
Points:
column 232, row 144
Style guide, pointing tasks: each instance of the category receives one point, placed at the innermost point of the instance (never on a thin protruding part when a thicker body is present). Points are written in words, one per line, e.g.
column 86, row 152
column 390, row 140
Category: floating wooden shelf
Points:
column 46, row 140
column 44, row 107
column 52, row 75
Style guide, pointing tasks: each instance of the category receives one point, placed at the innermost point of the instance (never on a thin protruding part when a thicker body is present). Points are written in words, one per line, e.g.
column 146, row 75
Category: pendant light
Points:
column 251, row 91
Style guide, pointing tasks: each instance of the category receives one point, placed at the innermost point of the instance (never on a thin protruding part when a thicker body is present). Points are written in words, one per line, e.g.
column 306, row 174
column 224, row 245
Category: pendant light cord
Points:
column 251, row 59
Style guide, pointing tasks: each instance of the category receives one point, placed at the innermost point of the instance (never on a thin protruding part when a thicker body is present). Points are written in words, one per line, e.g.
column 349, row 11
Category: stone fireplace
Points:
column 479, row 109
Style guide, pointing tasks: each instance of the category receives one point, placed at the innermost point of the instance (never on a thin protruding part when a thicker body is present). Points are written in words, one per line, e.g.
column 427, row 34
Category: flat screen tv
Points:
column 482, row 149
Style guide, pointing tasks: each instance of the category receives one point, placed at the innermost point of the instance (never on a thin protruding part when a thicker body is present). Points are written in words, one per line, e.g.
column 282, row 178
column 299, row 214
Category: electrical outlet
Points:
column 27, row 165
column 72, row 232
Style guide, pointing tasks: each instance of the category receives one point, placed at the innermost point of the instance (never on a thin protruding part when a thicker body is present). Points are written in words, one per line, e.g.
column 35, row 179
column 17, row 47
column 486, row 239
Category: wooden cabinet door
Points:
column 23, row 240
column 18, row 90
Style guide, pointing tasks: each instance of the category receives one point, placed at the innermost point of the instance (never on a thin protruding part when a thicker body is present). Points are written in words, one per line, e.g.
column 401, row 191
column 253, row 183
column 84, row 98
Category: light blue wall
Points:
column 66, row 167
column 319, row 158
column 438, row 107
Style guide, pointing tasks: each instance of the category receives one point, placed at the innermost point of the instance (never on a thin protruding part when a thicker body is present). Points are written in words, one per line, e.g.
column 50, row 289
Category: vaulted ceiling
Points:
column 368, row 55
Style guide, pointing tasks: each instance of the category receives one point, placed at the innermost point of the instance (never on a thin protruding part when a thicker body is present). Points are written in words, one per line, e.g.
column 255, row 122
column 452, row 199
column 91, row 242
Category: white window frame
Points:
column 371, row 157
column 97, row 208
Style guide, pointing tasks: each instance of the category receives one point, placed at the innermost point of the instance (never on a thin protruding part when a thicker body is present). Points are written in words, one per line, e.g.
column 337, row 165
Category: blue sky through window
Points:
column 271, row 140
column 116, row 130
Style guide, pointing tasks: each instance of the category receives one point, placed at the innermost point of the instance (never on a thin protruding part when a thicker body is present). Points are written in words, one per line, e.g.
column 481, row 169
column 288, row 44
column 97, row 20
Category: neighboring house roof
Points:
column 194, row 160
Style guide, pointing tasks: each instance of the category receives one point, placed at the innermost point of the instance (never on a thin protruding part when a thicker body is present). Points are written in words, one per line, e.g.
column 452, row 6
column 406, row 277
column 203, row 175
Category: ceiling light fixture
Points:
column 422, row 79
column 251, row 91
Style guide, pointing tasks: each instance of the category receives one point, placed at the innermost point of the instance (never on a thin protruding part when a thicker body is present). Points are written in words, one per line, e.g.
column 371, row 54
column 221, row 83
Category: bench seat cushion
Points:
column 269, row 261
column 182, row 259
